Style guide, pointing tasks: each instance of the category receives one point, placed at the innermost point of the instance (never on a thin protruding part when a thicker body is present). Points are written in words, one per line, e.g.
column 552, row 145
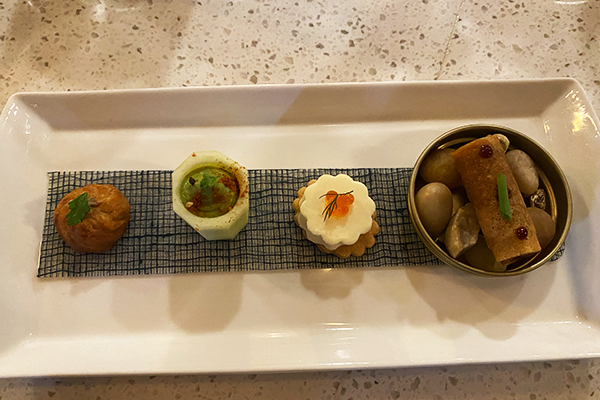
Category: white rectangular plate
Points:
column 318, row 319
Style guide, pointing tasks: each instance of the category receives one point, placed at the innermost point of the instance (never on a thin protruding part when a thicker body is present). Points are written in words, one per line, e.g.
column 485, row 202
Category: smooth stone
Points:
column 524, row 171
column 439, row 167
column 434, row 205
column 481, row 257
column 462, row 231
column 459, row 199
column 504, row 142
column 545, row 227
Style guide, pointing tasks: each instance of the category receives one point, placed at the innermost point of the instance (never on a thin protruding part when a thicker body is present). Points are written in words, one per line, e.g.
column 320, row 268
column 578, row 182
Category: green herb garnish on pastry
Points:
column 92, row 218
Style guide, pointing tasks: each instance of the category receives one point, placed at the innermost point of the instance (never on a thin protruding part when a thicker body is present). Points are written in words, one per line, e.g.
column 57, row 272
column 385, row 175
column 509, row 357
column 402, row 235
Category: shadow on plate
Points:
column 204, row 302
column 494, row 306
column 331, row 283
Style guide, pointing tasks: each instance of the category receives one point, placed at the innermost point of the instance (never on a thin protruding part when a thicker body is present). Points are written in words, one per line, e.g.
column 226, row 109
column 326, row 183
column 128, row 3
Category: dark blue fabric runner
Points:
column 160, row 242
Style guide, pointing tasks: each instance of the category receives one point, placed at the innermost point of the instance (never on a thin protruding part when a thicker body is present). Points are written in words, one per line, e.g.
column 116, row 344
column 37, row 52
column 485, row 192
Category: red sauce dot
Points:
column 521, row 233
column 485, row 151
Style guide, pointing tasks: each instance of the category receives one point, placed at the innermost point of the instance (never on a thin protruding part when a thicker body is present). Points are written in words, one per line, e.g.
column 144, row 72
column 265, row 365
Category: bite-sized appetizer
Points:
column 92, row 218
column 493, row 190
column 337, row 214
column 211, row 193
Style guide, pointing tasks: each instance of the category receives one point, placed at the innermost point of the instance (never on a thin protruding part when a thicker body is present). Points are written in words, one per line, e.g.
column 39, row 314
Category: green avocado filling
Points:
column 209, row 192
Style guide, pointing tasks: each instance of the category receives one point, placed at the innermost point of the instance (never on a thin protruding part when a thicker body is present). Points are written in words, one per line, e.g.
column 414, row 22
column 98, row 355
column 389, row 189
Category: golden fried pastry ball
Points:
column 102, row 227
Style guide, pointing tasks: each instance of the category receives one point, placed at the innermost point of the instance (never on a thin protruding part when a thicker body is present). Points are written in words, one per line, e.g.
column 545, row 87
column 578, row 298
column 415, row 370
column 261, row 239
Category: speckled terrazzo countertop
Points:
column 96, row 44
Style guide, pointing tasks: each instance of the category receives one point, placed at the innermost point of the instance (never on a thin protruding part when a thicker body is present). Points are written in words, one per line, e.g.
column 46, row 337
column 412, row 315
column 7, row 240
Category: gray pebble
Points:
column 523, row 169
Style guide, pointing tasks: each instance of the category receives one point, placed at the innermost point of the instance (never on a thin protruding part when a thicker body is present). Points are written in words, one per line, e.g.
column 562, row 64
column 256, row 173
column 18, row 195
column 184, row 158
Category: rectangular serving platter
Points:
column 293, row 320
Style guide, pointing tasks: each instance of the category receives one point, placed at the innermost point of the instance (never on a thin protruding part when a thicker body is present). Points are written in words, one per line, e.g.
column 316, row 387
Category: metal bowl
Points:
column 559, row 203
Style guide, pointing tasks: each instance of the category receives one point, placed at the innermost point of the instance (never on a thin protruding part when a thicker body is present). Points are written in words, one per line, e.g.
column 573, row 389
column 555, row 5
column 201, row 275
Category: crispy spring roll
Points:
column 479, row 163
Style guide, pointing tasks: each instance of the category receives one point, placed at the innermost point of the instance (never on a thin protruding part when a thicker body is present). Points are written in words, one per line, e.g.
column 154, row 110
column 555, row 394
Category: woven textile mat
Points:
column 158, row 241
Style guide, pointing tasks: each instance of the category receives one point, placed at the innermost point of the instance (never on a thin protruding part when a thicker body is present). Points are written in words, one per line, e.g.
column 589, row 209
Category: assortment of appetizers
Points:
column 481, row 200
column 211, row 193
column 92, row 218
column 337, row 214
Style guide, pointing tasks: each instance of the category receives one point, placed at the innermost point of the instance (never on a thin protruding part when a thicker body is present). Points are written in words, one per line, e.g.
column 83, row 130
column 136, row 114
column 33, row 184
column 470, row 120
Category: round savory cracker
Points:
column 365, row 241
column 102, row 226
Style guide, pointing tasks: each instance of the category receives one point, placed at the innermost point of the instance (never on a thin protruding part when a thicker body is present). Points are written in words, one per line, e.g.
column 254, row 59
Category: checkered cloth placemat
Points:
column 158, row 241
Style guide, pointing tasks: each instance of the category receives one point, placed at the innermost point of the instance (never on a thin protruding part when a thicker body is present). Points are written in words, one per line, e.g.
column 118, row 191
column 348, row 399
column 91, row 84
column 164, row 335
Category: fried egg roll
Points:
column 479, row 163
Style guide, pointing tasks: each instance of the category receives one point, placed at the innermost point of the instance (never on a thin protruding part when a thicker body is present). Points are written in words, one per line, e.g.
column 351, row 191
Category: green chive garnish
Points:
column 503, row 197
column 78, row 207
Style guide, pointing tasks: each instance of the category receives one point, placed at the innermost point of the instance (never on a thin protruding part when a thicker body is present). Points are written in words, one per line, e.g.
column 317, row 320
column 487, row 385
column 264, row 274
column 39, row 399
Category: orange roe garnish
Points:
column 337, row 205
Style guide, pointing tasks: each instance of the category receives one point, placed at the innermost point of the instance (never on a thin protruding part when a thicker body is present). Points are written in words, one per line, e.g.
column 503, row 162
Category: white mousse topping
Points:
column 335, row 231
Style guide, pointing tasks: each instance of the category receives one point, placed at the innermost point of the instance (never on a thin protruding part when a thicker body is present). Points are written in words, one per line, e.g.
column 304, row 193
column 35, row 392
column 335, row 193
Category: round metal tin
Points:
column 559, row 206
